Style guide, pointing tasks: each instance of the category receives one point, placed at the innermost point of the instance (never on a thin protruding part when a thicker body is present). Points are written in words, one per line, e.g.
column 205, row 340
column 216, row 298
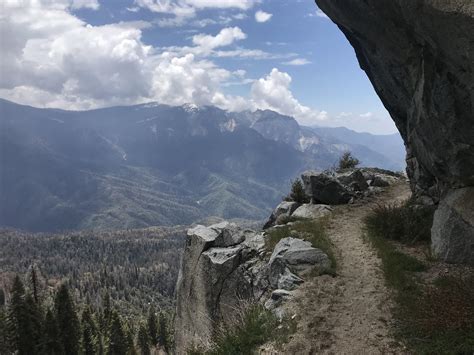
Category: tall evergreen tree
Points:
column 153, row 326
column 17, row 319
column 117, row 340
column 34, row 324
column 164, row 336
column 101, row 340
column 68, row 323
column 35, row 283
column 51, row 341
column 2, row 297
column 129, row 340
column 4, row 341
column 106, row 312
column 143, row 340
column 88, row 332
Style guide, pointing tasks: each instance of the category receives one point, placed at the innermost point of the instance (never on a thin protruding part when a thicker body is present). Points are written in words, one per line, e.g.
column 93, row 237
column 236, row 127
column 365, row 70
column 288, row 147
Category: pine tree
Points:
column 88, row 332
column 163, row 338
column 101, row 344
column 152, row 326
column 347, row 161
column 51, row 342
column 35, row 283
column 2, row 298
column 106, row 313
column 297, row 193
column 129, row 340
column 117, row 341
column 33, row 324
column 143, row 340
column 17, row 326
column 68, row 323
column 4, row 343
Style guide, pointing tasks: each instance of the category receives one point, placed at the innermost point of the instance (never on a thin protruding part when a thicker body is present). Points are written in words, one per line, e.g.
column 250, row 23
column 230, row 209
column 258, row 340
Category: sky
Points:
column 283, row 55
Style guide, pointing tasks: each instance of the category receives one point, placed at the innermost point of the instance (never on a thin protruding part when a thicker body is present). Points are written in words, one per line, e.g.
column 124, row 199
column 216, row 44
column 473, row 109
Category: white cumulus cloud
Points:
column 262, row 16
column 297, row 62
column 183, row 10
column 88, row 4
column 224, row 38
column 51, row 58
column 273, row 92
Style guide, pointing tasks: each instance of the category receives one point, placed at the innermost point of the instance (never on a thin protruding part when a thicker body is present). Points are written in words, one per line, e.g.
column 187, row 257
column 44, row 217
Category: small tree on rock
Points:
column 347, row 161
column 297, row 193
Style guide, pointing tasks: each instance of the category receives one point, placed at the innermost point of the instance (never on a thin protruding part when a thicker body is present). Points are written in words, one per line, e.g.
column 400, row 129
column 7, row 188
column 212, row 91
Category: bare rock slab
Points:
column 452, row 233
column 311, row 211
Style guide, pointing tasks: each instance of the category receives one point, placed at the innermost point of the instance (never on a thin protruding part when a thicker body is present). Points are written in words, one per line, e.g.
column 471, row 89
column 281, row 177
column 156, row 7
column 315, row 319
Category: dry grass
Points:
column 431, row 318
column 406, row 222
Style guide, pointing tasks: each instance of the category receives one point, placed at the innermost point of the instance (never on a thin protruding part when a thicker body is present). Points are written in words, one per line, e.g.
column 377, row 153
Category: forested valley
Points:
column 88, row 292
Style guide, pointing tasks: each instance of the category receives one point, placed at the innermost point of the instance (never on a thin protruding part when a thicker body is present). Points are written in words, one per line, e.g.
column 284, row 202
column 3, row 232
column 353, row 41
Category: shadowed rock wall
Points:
column 419, row 56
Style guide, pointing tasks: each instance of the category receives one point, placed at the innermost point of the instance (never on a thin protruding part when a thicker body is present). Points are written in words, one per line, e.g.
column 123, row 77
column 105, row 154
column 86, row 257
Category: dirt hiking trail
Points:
column 349, row 313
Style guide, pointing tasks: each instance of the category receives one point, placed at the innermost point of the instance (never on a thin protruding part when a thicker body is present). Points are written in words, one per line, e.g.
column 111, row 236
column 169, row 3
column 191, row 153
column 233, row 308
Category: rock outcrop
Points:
column 419, row 56
column 332, row 188
column 324, row 188
column 309, row 210
column 214, row 276
column 455, row 217
column 284, row 209
column 292, row 256
column 223, row 266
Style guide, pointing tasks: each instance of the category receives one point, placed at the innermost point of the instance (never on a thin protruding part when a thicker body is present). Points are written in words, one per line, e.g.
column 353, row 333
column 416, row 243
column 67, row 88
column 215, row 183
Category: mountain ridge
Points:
column 148, row 164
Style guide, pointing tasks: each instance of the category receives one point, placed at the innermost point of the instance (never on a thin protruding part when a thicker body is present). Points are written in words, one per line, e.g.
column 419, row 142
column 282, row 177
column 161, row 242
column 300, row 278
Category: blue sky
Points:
column 234, row 54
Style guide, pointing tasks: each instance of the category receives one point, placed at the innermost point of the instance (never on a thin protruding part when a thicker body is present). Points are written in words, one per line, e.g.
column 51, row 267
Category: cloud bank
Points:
column 52, row 58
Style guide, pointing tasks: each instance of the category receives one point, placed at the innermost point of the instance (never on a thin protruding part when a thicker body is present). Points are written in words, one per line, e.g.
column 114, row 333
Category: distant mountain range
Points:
column 151, row 164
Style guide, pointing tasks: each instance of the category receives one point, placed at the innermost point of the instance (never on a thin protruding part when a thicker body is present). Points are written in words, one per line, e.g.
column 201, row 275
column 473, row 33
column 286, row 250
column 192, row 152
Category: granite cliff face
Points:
column 419, row 56
column 225, row 267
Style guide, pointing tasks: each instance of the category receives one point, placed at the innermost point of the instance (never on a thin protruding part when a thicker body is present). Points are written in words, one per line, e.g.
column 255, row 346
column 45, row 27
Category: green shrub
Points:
column 274, row 235
column 407, row 223
column 254, row 329
column 347, row 161
column 297, row 193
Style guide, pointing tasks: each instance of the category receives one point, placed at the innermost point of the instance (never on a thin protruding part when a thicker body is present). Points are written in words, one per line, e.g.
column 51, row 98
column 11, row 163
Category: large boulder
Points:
column 419, row 57
column 296, row 256
column 311, row 211
column 453, row 227
column 354, row 179
column 285, row 208
column 379, row 181
column 324, row 188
